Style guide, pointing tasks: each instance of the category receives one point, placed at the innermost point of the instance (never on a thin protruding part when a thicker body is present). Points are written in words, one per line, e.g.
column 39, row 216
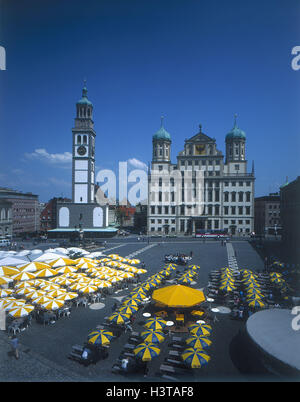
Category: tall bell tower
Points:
column 83, row 164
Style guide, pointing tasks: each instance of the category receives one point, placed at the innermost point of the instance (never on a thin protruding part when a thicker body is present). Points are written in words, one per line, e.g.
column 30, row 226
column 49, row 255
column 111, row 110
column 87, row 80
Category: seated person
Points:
column 124, row 364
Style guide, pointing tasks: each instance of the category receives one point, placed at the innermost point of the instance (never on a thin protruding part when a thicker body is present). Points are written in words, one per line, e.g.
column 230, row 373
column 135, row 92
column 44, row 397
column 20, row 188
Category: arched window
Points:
column 84, row 139
column 78, row 139
column 3, row 214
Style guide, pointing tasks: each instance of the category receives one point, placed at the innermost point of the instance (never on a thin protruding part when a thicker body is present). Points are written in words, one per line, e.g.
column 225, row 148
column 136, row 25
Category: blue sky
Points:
column 192, row 61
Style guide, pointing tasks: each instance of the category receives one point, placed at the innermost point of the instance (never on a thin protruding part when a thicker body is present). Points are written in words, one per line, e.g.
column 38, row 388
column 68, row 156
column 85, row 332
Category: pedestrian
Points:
column 114, row 307
column 15, row 346
column 191, row 254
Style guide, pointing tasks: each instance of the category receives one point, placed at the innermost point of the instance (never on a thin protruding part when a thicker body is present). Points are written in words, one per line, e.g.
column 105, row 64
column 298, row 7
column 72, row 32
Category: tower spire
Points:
column 235, row 117
column 162, row 120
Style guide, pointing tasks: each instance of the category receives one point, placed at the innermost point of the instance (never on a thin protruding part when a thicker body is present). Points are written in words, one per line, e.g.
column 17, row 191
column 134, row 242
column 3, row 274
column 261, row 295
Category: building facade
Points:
column 6, row 223
column 290, row 217
column 227, row 197
column 49, row 213
column 267, row 218
column 25, row 211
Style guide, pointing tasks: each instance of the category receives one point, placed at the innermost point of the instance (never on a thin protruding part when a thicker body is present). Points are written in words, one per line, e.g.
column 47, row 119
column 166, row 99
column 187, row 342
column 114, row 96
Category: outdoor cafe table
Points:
column 147, row 315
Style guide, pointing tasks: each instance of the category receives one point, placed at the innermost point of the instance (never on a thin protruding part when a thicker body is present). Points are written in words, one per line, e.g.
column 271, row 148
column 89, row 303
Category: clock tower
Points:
column 83, row 161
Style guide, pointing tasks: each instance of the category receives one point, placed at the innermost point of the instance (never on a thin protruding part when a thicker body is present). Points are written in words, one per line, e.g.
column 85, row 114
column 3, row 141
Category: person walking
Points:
column 15, row 346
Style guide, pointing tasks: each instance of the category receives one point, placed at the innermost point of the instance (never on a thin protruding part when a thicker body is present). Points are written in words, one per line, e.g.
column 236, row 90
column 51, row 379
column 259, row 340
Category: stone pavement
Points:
column 30, row 367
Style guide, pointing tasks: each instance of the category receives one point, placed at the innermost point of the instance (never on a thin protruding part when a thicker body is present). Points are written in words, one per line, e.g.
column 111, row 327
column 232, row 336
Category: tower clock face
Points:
column 81, row 150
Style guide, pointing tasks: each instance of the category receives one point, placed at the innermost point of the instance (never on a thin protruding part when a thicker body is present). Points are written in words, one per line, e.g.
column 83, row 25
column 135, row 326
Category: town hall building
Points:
column 228, row 191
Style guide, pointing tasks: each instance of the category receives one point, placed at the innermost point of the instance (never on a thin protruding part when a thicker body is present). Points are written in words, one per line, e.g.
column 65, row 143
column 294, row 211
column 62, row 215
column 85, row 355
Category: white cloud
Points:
column 43, row 155
column 137, row 164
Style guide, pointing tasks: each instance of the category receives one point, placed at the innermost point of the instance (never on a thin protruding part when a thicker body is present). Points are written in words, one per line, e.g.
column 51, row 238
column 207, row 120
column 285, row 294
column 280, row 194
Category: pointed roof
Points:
column 200, row 137
column 162, row 134
column 84, row 100
column 236, row 132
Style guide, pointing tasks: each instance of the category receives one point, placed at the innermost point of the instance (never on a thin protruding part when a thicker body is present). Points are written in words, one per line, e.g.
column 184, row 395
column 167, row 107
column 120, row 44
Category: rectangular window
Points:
column 232, row 210
column 166, row 210
column 225, row 210
column 159, row 210
column 240, row 210
column 173, row 210
column 247, row 210
column 233, row 183
column 226, row 221
column 152, row 210
column 240, row 222
column 159, row 221
column 216, row 224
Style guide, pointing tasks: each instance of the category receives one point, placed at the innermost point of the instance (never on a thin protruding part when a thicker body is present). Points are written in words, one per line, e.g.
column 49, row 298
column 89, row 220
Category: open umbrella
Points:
column 88, row 289
column 146, row 351
column 200, row 329
column 155, row 323
column 53, row 304
column 128, row 309
column 6, row 292
column 4, row 280
column 66, row 269
column 14, row 303
column 57, row 292
column 256, row 303
column 49, row 286
column 41, row 299
column 198, row 342
column 45, row 273
column 8, row 271
column 61, row 262
column 152, row 336
column 23, row 276
column 100, row 337
column 131, row 302
column 67, row 296
column 21, row 311
column 35, row 293
column 195, row 358
column 178, row 296
column 34, row 266
column 119, row 318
